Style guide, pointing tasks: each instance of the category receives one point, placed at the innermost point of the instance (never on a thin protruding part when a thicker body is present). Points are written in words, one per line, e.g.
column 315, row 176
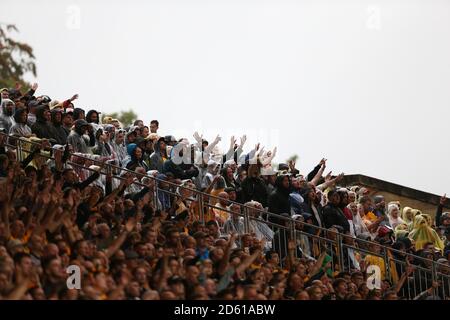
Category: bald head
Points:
column 224, row 197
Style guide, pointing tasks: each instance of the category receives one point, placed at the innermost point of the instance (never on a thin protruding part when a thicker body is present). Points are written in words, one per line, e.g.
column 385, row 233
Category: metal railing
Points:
column 314, row 241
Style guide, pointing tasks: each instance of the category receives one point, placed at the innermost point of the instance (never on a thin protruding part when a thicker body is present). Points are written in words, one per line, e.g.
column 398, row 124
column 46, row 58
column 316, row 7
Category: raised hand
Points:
column 323, row 162
column 291, row 164
column 74, row 97
column 232, row 142
column 410, row 269
column 130, row 225
column 328, row 176
column 218, row 139
column 197, row 137
column 34, row 86
column 339, row 177
column 261, row 152
column 274, row 152
column 45, row 198
column 243, row 140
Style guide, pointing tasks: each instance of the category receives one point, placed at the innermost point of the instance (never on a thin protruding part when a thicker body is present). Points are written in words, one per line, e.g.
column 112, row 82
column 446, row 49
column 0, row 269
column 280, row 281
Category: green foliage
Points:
column 16, row 58
column 125, row 117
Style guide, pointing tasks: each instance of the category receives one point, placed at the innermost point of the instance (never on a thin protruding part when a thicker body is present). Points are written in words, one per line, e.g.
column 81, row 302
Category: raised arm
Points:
column 223, row 266
column 330, row 182
column 129, row 227
column 319, row 173
column 318, row 265
column 270, row 157
column 409, row 270
column 67, row 102
column 211, row 146
column 311, row 175
column 249, row 260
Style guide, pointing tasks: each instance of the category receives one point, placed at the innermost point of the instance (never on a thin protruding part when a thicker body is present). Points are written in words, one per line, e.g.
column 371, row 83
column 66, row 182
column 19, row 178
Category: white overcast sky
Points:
column 365, row 84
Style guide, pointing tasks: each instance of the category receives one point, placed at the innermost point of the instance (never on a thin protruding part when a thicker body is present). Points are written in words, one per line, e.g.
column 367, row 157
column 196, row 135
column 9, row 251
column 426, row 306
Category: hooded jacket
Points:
column 60, row 132
column 156, row 159
column 6, row 117
column 42, row 128
column 76, row 139
column 333, row 215
column 134, row 162
column 19, row 128
column 254, row 188
column 120, row 151
column 422, row 234
column 279, row 199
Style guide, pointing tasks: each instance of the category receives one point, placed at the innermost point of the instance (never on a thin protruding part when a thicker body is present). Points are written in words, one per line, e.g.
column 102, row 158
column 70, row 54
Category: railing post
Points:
column 19, row 149
column 433, row 276
column 246, row 220
column 340, row 252
column 201, row 208
column 387, row 263
column 155, row 194
column 294, row 236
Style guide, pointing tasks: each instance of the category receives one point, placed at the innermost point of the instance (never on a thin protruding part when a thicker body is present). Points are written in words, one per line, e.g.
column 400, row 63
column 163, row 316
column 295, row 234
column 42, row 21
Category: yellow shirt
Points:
column 371, row 216
column 379, row 261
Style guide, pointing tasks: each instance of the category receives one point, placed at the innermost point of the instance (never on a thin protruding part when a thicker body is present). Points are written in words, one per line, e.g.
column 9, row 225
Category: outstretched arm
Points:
column 319, row 173
column 211, row 146
column 270, row 157
column 330, row 182
column 129, row 227
column 249, row 260
column 223, row 266
column 230, row 153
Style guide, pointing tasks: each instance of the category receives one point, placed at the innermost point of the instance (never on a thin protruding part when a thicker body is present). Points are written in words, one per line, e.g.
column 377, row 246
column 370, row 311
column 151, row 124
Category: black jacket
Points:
column 279, row 200
column 82, row 185
column 59, row 131
column 180, row 171
column 42, row 128
column 306, row 208
column 334, row 216
column 254, row 189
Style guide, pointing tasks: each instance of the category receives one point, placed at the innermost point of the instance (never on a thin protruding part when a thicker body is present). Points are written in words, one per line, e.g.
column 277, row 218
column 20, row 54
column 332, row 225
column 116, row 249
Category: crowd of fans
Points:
column 143, row 233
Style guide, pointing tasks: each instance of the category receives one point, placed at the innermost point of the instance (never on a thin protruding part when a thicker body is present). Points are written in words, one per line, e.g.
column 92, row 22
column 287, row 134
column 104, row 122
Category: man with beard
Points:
column 6, row 114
